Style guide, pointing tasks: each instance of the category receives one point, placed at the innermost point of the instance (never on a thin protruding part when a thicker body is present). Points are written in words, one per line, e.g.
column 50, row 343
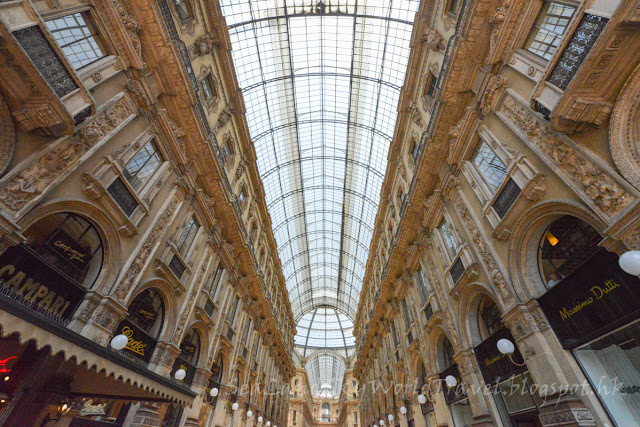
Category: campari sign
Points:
column 593, row 300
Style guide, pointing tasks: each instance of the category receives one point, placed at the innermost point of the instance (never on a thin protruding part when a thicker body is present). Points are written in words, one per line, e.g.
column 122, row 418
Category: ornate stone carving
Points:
column 147, row 248
column 624, row 131
column 492, row 93
column 203, row 46
column 478, row 241
column 435, row 41
column 597, row 185
column 7, row 136
column 34, row 178
column 132, row 26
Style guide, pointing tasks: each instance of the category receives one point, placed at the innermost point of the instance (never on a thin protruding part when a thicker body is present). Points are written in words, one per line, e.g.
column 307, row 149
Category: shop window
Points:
column 612, row 364
column 489, row 317
column 490, row 167
column 188, row 358
column 78, row 39
column 70, row 244
column 548, row 29
column 564, row 247
column 147, row 312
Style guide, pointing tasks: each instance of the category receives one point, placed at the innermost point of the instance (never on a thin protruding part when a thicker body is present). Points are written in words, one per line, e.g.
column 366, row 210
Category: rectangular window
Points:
column 143, row 165
column 187, row 236
column 550, row 26
column 183, row 9
column 490, row 166
column 423, row 285
column 216, row 282
column 430, row 86
column 208, row 88
column 77, row 38
column 450, row 244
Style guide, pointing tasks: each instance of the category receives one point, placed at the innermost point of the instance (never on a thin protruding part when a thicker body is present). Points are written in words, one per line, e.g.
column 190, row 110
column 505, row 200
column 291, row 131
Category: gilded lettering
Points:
column 41, row 292
column 46, row 301
column 62, row 310
column 7, row 268
column 58, row 303
column 15, row 281
column 29, row 286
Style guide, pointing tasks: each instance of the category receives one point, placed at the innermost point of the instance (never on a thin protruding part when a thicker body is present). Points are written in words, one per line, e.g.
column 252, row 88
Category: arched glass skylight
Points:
column 325, row 372
column 321, row 82
column 324, row 328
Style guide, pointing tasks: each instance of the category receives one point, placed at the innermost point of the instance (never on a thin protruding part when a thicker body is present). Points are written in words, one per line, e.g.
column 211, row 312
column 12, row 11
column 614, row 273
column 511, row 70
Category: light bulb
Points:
column 505, row 346
column 451, row 381
column 180, row 374
column 381, row 422
column 268, row 423
column 249, row 413
column 422, row 399
column 119, row 342
column 630, row 262
column 235, row 406
column 403, row 410
column 214, row 392
column 260, row 419
column 390, row 417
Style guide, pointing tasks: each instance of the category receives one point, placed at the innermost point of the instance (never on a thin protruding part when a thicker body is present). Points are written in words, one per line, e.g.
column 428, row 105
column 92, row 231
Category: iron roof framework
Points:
column 325, row 372
column 321, row 84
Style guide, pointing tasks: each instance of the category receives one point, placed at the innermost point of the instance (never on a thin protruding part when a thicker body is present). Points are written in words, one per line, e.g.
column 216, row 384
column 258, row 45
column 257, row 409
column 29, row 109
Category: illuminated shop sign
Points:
column 28, row 279
column 495, row 366
column 140, row 345
column 593, row 300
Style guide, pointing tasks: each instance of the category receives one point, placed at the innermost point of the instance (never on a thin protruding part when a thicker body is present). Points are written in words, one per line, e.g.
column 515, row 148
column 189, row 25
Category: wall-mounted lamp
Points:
column 630, row 262
column 180, row 374
column 422, row 399
column 403, row 410
column 506, row 347
column 451, row 381
column 62, row 410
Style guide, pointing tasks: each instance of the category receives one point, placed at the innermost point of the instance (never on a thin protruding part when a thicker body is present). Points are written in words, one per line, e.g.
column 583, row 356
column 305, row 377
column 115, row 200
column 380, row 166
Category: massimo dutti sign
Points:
column 593, row 300
column 26, row 277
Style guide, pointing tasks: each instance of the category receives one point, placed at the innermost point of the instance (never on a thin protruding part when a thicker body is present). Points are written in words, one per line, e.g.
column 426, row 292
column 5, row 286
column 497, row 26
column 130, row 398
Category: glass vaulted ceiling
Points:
column 321, row 84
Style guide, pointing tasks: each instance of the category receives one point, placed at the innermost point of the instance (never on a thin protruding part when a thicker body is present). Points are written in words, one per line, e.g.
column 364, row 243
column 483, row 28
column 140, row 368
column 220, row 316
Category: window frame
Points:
column 532, row 33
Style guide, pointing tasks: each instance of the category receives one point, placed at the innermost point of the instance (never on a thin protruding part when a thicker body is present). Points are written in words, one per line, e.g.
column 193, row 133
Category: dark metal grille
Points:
column 546, row 113
column 208, row 308
column 46, row 60
column 122, row 196
column 577, row 49
column 79, row 118
column 507, row 197
column 457, row 270
column 177, row 266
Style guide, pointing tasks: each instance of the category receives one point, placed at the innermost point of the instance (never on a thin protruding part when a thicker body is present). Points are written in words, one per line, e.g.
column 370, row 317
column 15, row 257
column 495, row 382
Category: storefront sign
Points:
column 69, row 250
column 591, row 301
column 453, row 394
column 495, row 366
column 140, row 344
column 3, row 364
column 30, row 280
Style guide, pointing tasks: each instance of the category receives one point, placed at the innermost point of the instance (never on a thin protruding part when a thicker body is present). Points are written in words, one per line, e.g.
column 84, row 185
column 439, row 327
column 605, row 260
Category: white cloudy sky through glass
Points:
column 321, row 84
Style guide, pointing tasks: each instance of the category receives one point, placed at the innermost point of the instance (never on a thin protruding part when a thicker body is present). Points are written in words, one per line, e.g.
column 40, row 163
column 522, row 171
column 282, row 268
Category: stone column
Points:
column 470, row 373
column 165, row 356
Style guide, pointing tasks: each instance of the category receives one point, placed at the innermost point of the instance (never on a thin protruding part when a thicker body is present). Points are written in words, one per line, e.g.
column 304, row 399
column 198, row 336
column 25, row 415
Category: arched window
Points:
column 190, row 347
column 489, row 317
column 70, row 244
column 326, row 412
column 146, row 311
column 565, row 246
column 447, row 354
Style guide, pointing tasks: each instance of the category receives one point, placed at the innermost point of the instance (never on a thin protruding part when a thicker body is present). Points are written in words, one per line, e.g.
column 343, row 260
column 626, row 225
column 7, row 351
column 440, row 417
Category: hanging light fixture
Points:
column 553, row 240
column 630, row 262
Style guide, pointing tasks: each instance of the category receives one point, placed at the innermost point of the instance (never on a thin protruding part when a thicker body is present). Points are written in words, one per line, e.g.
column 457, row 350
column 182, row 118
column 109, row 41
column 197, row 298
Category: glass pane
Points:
column 449, row 241
column 612, row 363
column 77, row 40
column 490, row 166
column 142, row 166
column 187, row 236
column 549, row 28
